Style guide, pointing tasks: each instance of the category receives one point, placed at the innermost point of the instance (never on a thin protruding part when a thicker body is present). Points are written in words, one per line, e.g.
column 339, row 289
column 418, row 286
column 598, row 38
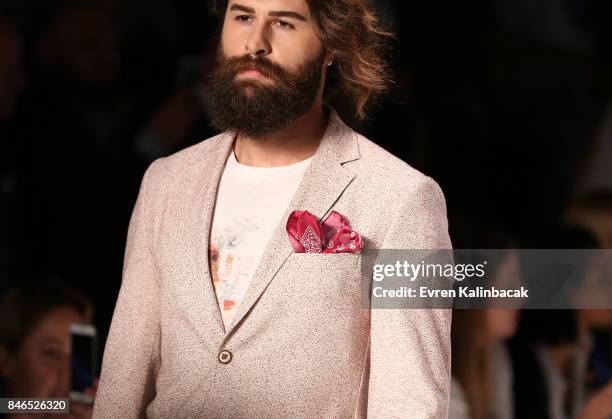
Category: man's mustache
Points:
column 267, row 68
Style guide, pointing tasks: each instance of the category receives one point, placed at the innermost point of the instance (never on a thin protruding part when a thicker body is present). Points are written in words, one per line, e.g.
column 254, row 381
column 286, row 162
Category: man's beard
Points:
column 258, row 108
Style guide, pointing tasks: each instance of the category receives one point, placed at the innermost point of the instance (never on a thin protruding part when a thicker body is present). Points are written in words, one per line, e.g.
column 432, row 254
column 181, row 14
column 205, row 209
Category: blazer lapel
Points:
column 206, row 174
column 323, row 183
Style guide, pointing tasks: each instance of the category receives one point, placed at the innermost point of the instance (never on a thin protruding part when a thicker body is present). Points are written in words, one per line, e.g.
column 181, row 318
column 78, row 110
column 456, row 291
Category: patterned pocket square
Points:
column 334, row 235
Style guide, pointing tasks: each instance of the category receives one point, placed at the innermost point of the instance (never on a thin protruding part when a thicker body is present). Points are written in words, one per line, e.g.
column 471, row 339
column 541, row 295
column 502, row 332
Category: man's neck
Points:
column 298, row 141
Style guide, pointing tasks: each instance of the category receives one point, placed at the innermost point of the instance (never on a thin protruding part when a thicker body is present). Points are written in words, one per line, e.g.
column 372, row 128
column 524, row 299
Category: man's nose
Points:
column 258, row 45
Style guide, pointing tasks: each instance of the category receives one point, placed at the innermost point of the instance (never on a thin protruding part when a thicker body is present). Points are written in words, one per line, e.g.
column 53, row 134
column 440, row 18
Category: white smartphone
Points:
column 83, row 361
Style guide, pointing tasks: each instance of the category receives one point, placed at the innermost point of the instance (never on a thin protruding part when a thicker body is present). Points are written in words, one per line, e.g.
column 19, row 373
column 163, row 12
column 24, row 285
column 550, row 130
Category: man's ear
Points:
column 6, row 362
column 329, row 58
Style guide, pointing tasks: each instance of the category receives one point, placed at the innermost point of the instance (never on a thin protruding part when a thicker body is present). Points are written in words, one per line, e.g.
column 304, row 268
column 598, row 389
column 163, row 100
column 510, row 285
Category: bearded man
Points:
column 241, row 291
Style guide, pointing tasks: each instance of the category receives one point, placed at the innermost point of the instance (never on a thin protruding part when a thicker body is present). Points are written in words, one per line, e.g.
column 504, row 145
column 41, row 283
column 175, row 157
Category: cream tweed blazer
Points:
column 301, row 345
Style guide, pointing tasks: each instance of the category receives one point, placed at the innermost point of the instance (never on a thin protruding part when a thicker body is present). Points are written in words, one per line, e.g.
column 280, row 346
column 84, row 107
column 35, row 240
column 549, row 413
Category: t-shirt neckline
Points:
column 233, row 164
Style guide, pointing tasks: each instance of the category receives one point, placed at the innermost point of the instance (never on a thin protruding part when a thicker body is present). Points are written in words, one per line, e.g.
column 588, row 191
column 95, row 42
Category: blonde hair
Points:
column 471, row 365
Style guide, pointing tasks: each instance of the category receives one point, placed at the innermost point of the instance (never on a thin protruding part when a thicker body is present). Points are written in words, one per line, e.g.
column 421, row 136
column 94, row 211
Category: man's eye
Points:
column 243, row 18
column 284, row 24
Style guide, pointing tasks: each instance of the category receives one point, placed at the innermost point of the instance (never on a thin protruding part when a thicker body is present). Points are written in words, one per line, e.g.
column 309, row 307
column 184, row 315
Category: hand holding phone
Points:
column 83, row 362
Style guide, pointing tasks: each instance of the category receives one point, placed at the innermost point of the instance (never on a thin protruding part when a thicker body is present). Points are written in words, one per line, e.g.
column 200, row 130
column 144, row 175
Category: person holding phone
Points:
column 35, row 343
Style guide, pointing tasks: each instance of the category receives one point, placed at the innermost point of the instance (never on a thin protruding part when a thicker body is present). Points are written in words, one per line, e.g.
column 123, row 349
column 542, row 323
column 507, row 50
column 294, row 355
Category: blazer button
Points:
column 225, row 356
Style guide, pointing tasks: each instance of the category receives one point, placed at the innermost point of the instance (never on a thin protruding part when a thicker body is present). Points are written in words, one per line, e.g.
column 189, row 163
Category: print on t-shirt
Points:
column 250, row 205
column 234, row 258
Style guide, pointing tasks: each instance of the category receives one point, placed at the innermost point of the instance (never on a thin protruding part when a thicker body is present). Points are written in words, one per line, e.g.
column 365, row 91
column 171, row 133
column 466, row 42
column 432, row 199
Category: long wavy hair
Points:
column 351, row 31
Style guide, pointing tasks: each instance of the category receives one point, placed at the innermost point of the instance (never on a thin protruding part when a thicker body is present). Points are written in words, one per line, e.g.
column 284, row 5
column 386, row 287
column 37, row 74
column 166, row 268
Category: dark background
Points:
column 503, row 102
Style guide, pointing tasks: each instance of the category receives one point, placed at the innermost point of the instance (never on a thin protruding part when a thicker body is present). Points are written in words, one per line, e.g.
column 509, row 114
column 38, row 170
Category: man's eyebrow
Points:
column 280, row 13
column 287, row 13
column 242, row 8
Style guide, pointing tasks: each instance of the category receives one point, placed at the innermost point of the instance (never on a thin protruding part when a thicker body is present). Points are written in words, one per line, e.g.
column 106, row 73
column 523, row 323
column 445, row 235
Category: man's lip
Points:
column 252, row 73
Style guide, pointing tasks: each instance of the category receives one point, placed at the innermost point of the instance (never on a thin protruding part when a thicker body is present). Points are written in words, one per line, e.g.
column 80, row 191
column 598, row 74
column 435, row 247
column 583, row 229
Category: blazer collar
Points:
column 324, row 181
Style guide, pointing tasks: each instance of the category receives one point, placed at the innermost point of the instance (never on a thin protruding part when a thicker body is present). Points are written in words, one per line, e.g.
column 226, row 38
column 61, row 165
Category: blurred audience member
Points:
column 552, row 349
column 548, row 379
column 72, row 121
column 541, row 354
column 481, row 386
column 596, row 173
column 589, row 354
column 593, row 364
column 594, row 212
column 35, row 319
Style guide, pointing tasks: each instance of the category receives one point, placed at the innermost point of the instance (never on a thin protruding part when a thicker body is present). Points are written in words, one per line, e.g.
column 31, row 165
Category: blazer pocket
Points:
column 327, row 273
column 320, row 261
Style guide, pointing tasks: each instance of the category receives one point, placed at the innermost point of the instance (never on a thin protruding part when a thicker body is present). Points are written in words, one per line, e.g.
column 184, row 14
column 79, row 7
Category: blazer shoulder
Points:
column 175, row 163
column 411, row 203
column 165, row 173
column 387, row 171
column 166, row 170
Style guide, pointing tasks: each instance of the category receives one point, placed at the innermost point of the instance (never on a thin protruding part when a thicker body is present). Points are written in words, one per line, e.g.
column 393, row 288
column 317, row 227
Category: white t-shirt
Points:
column 250, row 204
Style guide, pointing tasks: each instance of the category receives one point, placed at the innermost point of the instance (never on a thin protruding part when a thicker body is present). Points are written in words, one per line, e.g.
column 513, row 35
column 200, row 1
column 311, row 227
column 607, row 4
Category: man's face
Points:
column 270, row 66
column 282, row 31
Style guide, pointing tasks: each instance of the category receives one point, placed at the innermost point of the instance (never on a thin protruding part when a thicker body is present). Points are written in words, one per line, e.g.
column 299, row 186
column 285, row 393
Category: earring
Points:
column 330, row 62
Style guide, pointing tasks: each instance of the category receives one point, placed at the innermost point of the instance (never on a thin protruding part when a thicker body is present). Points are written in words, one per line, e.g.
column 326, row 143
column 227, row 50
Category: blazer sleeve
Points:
column 132, row 353
column 410, row 355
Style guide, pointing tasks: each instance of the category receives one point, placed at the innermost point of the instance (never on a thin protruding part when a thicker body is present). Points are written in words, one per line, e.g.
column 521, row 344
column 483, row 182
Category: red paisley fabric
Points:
column 334, row 235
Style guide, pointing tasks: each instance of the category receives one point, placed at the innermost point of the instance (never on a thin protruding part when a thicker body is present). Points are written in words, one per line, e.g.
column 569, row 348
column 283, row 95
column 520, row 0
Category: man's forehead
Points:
column 265, row 6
